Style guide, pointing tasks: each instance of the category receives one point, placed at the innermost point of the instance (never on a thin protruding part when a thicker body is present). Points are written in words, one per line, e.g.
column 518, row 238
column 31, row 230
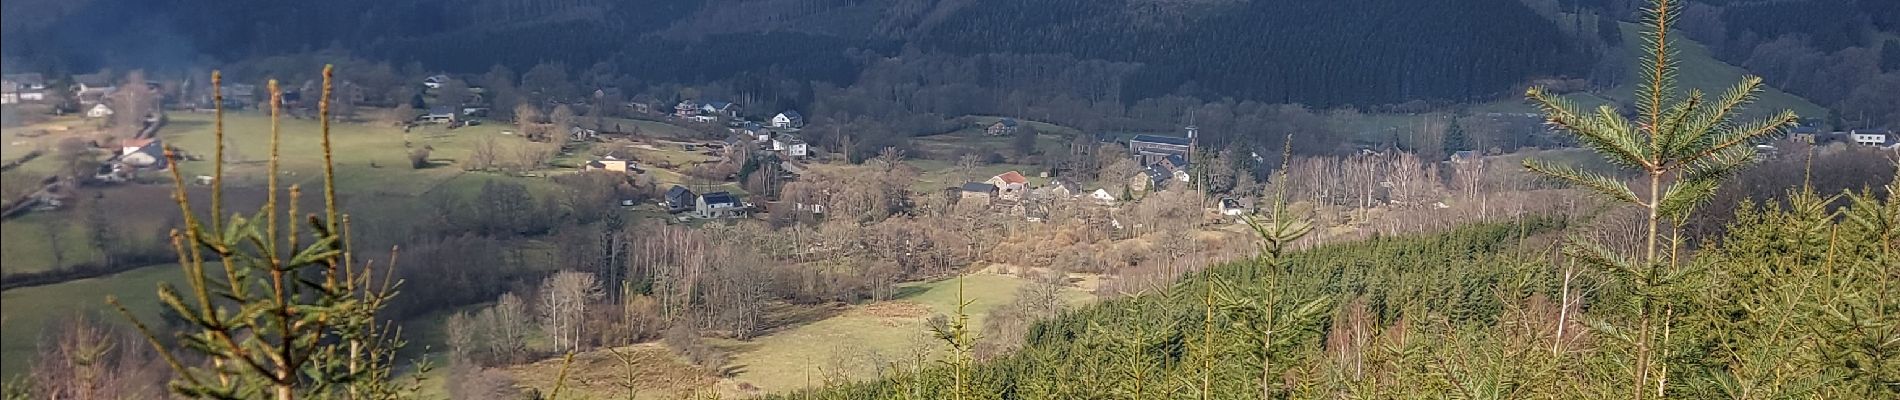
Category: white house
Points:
column 16, row 88
column 435, row 81
column 720, row 108
column 1102, row 196
column 99, row 111
column 1872, row 138
column 788, row 119
column 1232, row 207
column 791, row 147
column 718, row 205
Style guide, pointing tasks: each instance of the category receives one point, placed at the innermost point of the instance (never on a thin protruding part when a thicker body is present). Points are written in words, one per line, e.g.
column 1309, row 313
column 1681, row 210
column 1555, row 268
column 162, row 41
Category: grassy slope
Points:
column 25, row 312
column 385, row 190
column 858, row 339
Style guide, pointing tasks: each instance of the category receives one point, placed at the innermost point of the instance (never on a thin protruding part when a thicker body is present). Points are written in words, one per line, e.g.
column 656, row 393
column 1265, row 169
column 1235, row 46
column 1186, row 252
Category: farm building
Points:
column 1009, row 185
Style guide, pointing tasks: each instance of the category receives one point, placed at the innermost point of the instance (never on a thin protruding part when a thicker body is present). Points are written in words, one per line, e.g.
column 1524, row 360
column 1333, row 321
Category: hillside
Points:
column 1471, row 310
column 1322, row 53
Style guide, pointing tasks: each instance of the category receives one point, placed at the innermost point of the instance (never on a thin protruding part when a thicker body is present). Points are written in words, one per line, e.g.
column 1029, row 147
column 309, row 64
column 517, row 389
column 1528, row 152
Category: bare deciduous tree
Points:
column 564, row 300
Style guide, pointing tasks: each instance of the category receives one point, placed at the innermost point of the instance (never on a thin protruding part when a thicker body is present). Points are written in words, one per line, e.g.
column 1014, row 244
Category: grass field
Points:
column 28, row 248
column 849, row 345
column 24, row 312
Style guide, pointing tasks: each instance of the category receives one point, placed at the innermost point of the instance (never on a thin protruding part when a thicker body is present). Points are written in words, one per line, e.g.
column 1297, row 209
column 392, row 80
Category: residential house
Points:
column 22, row 88
column 1009, row 185
column 438, row 114
column 679, row 198
column 99, row 110
column 977, row 191
column 1804, row 134
column 240, row 95
column 1150, row 149
column 608, row 163
column 435, row 81
column 1005, row 126
column 1234, row 207
column 92, row 88
column 791, row 146
column 1153, row 177
column 579, row 134
column 1464, row 156
column 703, row 118
column 1175, row 163
column 1102, row 196
column 718, row 205
column 716, row 107
column 1873, row 137
column 1063, row 187
column 686, row 109
column 790, row 119
column 142, row 153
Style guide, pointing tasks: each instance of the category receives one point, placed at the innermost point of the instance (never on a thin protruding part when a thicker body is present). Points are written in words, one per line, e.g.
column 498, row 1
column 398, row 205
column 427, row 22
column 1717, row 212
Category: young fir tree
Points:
column 1682, row 147
column 293, row 314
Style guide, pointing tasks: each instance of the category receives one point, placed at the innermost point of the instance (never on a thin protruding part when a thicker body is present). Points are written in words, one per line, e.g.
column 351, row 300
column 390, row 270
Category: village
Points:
column 790, row 215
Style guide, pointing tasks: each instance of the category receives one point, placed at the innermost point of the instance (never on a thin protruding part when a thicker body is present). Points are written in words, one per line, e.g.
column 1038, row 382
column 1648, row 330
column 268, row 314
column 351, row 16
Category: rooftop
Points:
column 1173, row 140
column 719, row 198
column 978, row 187
column 1013, row 177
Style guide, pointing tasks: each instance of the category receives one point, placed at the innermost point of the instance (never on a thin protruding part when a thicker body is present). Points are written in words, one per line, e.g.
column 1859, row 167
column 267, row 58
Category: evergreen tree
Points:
column 1455, row 140
column 1683, row 148
column 286, row 319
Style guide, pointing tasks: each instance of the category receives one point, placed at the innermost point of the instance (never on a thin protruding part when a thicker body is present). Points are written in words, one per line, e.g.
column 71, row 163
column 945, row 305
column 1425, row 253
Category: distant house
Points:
column 92, row 88
column 1150, row 149
column 1102, row 196
column 580, row 134
column 1063, row 187
column 99, row 110
column 718, row 205
column 704, row 118
column 686, row 109
column 142, row 153
column 720, row 108
column 977, row 190
column 791, row 146
column 1872, row 137
column 1154, row 177
column 438, row 114
column 1009, row 185
column 435, row 81
column 608, row 163
column 1464, row 156
column 1005, row 126
column 789, row 119
column 239, row 95
column 1175, row 163
column 1233, row 207
column 679, row 198
column 22, row 88
column 1804, row 134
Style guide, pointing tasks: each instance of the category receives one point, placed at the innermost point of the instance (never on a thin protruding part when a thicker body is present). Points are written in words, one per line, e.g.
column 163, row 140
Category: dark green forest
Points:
column 1321, row 53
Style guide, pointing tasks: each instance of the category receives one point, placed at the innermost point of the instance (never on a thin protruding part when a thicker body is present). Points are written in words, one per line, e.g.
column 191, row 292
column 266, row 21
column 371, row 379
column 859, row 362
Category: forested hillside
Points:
column 1322, row 53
